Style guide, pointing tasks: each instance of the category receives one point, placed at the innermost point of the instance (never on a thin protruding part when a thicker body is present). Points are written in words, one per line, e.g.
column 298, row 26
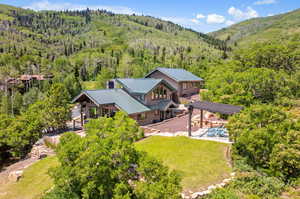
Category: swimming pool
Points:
column 216, row 132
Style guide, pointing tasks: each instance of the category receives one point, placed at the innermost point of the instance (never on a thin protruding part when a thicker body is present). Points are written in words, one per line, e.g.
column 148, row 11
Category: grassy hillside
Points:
column 87, row 41
column 279, row 27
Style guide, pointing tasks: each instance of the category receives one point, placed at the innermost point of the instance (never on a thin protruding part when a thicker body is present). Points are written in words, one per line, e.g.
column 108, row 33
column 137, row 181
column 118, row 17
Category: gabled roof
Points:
column 117, row 97
column 178, row 74
column 163, row 105
column 141, row 85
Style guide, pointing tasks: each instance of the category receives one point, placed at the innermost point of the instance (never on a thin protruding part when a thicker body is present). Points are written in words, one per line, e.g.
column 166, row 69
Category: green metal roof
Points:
column 177, row 74
column 141, row 85
column 163, row 105
column 118, row 97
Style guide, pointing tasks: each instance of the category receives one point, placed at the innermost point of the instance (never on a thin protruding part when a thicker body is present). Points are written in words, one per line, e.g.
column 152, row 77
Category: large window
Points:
column 159, row 93
column 187, row 85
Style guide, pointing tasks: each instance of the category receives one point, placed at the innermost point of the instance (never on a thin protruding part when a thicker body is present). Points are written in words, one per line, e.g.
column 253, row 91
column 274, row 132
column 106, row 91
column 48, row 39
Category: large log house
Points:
column 147, row 100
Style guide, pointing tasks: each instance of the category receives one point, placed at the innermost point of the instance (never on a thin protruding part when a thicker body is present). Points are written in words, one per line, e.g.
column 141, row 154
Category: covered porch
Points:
column 106, row 102
column 88, row 110
column 164, row 109
column 212, row 107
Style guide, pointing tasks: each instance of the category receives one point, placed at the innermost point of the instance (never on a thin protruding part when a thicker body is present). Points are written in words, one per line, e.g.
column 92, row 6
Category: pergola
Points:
column 225, row 109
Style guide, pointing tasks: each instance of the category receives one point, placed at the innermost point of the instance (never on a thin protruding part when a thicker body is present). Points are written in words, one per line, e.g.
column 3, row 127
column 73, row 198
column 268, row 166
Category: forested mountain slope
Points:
column 78, row 47
column 86, row 42
column 278, row 27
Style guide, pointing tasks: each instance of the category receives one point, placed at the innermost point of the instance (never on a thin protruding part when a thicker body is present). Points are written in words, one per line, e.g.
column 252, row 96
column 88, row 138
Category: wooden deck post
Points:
column 201, row 118
column 190, row 109
column 81, row 116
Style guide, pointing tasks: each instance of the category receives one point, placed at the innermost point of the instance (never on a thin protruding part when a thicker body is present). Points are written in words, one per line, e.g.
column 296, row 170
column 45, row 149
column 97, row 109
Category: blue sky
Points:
column 201, row 15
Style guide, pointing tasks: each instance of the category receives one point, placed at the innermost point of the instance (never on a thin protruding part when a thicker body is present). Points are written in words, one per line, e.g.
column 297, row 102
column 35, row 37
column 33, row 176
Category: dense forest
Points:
column 256, row 65
column 88, row 41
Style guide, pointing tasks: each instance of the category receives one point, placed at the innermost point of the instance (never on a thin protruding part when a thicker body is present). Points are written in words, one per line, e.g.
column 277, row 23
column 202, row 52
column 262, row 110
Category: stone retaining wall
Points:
column 209, row 189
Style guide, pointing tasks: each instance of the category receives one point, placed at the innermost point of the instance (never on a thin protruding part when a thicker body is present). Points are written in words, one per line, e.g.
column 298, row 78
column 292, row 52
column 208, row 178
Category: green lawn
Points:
column 34, row 182
column 200, row 162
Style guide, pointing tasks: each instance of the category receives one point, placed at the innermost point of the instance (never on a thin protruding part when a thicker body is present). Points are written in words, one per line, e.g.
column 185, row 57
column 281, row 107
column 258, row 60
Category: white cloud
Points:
column 46, row 5
column 240, row 15
column 200, row 16
column 229, row 22
column 265, row 2
column 251, row 13
column 236, row 13
column 215, row 19
column 195, row 21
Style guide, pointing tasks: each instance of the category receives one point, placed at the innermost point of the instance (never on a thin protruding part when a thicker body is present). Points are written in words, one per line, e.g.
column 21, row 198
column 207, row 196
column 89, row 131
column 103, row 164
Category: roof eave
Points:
column 201, row 80
column 85, row 93
column 140, row 112
column 169, row 104
column 169, row 85
column 175, row 79
column 165, row 83
column 138, row 93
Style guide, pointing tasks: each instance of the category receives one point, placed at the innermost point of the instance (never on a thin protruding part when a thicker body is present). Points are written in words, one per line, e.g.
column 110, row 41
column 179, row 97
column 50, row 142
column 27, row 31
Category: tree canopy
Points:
column 19, row 133
column 263, row 73
column 267, row 137
column 105, row 164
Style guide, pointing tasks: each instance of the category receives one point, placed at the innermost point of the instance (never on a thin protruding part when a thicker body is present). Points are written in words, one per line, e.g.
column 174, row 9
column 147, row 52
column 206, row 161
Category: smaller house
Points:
column 33, row 80
column 24, row 82
column 9, row 83
column 183, row 81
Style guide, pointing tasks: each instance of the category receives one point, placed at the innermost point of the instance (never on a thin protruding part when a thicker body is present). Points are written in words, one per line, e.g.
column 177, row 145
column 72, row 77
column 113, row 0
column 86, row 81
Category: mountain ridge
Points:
column 278, row 27
column 130, row 45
